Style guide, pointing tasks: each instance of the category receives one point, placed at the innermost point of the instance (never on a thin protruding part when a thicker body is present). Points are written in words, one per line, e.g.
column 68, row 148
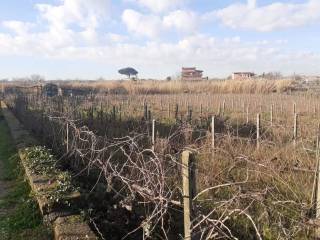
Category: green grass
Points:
column 23, row 219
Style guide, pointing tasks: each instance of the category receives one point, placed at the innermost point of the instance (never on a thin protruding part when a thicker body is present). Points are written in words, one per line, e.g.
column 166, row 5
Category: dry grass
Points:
column 173, row 87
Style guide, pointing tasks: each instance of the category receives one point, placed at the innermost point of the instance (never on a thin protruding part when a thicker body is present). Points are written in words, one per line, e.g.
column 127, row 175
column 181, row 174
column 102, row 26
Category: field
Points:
column 252, row 149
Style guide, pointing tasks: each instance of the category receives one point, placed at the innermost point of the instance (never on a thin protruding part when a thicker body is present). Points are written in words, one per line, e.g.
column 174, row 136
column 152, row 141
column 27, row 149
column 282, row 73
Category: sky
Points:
column 89, row 39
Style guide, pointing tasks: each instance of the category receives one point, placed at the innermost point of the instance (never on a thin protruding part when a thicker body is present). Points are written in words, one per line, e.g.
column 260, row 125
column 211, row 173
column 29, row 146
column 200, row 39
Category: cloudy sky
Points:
column 88, row 39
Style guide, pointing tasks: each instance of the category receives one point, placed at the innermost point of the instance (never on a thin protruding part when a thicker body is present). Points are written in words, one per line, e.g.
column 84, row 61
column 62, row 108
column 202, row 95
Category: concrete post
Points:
column 189, row 190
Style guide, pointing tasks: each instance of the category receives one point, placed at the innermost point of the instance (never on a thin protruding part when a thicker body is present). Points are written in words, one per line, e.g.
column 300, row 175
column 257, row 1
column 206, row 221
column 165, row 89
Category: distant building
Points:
column 242, row 75
column 191, row 74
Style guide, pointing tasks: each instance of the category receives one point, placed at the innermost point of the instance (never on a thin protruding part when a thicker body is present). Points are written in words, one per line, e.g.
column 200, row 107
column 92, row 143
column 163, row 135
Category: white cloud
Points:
column 87, row 15
column 84, row 13
column 160, row 5
column 61, row 40
column 116, row 38
column 140, row 24
column 252, row 4
column 218, row 57
column 18, row 27
column 59, row 25
column 152, row 25
column 185, row 21
column 269, row 17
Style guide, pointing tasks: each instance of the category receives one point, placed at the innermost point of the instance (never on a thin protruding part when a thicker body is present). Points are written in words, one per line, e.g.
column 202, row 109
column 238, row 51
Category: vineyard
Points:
column 185, row 165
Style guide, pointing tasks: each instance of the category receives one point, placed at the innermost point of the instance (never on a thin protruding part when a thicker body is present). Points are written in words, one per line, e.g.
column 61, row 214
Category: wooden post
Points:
column 213, row 133
column 169, row 110
column 316, row 176
column 153, row 133
column 145, row 108
column 258, row 130
column 67, row 137
column 189, row 190
column 90, row 116
column 223, row 107
column 114, row 112
column 295, row 128
column 189, row 114
column 176, row 112
column 149, row 115
column 62, row 107
column 101, row 114
column 294, row 108
column 247, row 114
column 317, row 232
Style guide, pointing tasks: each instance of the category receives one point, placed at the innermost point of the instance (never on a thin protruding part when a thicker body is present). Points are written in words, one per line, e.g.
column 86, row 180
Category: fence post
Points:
column 317, row 232
column 295, row 128
column 223, row 106
column 316, row 177
column 101, row 113
column 176, row 112
column 145, row 108
column 153, row 133
column 294, row 108
column 67, row 137
column 258, row 130
column 189, row 190
column 62, row 107
column 213, row 133
column 114, row 112
column 149, row 115
column 247, row 114
column 189, row 114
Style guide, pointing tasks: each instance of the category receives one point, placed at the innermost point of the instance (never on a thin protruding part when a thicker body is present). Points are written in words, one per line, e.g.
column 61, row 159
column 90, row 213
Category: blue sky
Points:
column 81, row 39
